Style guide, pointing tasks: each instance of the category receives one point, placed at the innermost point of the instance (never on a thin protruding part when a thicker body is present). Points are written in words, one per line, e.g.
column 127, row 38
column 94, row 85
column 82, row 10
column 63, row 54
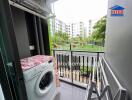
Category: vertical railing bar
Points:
column 98, row 57
column 68, row 66
column 83, row 68
column 79, row 68
column 71, row 66
column 94, row 66
column 61, row 58
column 96, row 72
column 97, row 76
column 65, row 65
column 60, row 64
column 91, row 67
column 87, row 70
column 75, row 66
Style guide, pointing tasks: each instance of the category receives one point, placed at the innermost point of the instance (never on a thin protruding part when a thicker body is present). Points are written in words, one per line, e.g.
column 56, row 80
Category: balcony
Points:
column 87, row 76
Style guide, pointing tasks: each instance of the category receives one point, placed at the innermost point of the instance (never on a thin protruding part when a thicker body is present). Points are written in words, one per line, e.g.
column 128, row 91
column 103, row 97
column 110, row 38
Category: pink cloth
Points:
column 33, row 61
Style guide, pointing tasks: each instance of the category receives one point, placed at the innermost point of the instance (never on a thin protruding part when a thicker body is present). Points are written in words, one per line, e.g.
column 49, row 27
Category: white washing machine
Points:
column 40, row 82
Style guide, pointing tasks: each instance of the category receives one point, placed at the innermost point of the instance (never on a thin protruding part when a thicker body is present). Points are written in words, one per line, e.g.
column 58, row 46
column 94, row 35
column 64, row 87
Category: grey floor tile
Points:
column 69, row 92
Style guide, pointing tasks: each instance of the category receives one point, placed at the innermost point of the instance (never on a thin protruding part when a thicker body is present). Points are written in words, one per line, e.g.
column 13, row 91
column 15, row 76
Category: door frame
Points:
column 10, row 53
column 4, row 81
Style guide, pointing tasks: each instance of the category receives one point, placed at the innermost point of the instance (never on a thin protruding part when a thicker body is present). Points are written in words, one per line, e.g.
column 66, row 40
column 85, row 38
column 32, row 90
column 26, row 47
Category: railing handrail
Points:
column 93, row 72
column 113, row 75
column 79, row 51
column 104, row 74
column 107, row 87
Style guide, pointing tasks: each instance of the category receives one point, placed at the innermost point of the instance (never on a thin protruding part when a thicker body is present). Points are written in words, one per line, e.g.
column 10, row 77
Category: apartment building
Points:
column 72, row 29
column 78, row 29
column 57, row 25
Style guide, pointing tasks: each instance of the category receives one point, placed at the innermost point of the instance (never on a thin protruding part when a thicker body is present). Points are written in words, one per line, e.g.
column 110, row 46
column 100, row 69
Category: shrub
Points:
column 85, row 70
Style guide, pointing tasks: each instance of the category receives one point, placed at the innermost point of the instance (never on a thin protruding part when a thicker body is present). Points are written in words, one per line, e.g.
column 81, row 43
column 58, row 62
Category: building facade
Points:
column 78, row 29
column 57, row 26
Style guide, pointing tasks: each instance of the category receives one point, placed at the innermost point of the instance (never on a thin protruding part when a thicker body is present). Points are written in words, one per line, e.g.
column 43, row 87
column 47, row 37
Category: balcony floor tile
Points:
column 69, row 92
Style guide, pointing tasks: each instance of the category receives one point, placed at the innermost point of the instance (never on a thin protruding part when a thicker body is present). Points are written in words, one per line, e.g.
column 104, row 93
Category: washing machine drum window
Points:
column 44, row 83
column 46, row 80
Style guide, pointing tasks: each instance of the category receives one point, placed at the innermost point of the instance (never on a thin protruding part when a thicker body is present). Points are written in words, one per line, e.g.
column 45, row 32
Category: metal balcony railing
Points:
column 107, row 86
column 90, row 70
column 76, row 66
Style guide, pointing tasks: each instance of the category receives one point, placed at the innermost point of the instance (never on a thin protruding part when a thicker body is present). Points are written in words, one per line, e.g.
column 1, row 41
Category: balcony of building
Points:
column 87, row 76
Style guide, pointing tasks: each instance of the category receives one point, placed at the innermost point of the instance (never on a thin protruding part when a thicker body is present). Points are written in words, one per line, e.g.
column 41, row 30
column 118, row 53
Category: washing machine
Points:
column 39, row 78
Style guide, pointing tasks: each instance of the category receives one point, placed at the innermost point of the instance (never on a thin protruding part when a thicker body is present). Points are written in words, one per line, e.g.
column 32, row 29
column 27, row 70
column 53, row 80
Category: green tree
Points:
column 99, row 30
column 60, row 37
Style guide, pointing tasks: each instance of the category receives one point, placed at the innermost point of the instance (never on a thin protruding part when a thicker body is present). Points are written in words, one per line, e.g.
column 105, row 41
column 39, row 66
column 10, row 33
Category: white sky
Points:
column 80, row 10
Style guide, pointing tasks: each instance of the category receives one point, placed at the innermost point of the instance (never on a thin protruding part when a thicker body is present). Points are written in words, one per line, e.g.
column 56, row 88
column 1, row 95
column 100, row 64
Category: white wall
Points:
column 118, row 51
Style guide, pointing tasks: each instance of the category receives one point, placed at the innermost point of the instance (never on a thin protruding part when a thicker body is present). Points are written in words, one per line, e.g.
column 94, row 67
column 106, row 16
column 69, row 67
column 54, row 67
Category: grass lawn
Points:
column 93, row 48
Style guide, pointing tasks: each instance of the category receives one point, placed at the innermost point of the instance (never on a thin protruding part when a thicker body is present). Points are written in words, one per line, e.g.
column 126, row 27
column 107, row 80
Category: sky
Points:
column 80, row 10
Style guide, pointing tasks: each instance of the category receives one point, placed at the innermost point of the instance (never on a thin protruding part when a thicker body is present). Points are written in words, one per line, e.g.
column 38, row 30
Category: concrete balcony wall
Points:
column 118, row 50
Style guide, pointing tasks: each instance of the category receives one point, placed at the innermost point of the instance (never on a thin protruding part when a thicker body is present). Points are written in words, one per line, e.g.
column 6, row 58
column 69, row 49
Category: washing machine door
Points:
column 44, row 83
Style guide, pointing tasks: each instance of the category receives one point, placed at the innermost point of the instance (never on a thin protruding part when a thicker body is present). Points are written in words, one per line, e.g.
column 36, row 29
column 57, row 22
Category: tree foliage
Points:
column 60, row 37
column 99, row 29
